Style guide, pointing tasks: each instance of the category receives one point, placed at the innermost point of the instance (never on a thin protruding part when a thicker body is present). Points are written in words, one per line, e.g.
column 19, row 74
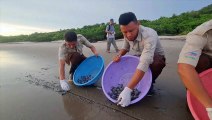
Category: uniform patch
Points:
column 192, row 55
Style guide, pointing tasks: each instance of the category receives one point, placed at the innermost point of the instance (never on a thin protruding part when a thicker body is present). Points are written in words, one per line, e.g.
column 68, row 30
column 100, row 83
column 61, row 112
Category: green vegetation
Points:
column 175, row 25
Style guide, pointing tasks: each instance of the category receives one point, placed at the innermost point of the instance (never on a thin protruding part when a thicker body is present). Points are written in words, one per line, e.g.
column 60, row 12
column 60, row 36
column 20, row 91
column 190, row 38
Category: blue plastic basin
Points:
column 92, row 66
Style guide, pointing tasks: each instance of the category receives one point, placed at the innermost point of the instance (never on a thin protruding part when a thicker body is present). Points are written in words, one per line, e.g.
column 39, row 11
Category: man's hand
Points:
column 209, row 110
column 117, row 58
column 93, row 49
column 64, row 85
column 125, row 97
column 96, row 54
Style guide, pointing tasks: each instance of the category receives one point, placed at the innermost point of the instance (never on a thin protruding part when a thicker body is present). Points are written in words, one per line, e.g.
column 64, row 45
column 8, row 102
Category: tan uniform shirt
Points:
column 146, row 44
column 197, row 42
column 65, row 50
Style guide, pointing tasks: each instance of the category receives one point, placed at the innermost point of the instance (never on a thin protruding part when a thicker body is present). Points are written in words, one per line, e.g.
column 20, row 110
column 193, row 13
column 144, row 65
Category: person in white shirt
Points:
column 110, row 30
column 145, row 43
column 196, row 57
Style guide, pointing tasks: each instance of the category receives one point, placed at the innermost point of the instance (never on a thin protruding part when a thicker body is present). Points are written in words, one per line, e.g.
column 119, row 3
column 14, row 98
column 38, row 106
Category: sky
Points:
column 29, row 16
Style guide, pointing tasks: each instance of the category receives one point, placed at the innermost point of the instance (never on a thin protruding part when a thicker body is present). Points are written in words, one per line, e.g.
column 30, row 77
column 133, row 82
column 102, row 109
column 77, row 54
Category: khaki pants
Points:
column 109, row 41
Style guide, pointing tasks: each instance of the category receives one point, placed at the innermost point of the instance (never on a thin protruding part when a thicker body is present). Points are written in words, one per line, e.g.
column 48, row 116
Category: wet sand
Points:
column 29, row 87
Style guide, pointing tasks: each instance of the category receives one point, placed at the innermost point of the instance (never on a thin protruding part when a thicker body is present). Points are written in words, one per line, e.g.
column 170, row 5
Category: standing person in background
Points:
column 196, row 57
column 145, row 43
column 110, row 30
column 71, row 52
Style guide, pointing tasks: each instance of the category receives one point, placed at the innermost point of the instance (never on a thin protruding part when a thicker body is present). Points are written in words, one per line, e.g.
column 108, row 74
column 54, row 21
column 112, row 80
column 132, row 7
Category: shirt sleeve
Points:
column 126, row 45
column 85, row 41
column 192, row 49
column 146, row 57
column 61, row 53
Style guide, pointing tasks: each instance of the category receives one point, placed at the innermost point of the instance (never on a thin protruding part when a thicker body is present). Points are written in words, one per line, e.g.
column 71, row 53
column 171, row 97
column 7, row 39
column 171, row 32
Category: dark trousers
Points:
column 159, row 62
column 204, row 63
column 75, row 59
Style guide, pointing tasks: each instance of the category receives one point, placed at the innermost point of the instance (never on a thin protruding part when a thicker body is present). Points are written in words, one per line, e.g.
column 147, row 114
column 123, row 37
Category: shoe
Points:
column 108, row 51
column 70, row 80
column 151, row 91
column 117, row 50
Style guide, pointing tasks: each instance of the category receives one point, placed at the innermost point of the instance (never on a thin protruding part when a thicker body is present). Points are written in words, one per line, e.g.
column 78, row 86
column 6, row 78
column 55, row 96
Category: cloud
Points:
column 7, row 29
column 67, row 14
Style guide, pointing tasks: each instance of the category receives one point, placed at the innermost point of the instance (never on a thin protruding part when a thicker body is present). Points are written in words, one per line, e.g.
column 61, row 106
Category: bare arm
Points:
column 93, row 49
column 108, row 32
column 138, row 75
column 191, row 80
column 121, row 53
column 62, row 69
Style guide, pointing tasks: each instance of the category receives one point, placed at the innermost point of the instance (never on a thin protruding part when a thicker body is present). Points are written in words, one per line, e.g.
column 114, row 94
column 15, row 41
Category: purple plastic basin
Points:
column 121, row 73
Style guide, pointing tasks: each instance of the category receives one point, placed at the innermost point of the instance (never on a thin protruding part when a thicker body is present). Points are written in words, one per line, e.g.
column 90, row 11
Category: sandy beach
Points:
column 30, row 90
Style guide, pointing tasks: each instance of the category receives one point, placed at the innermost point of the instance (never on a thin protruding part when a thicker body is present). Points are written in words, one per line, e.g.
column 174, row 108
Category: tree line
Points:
column 175, row 25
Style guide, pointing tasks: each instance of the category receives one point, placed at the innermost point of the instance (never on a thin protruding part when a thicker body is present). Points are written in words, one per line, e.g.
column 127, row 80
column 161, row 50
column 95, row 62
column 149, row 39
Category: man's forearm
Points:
column 93, row 49
column 138, row 75
column 122, row 52
column 62, row 74
column 62, row 69
column 193, row 83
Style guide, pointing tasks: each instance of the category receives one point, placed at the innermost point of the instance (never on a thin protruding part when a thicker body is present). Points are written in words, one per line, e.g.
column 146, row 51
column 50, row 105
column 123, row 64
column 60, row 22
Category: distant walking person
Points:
column 110, row 30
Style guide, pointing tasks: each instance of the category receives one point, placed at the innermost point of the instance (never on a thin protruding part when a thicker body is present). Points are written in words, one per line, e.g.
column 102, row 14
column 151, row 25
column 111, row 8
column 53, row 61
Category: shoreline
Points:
column 180, row 37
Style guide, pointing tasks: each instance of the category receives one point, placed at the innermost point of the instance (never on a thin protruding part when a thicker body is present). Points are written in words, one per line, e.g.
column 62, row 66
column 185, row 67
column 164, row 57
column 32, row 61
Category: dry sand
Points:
column 30, row 90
